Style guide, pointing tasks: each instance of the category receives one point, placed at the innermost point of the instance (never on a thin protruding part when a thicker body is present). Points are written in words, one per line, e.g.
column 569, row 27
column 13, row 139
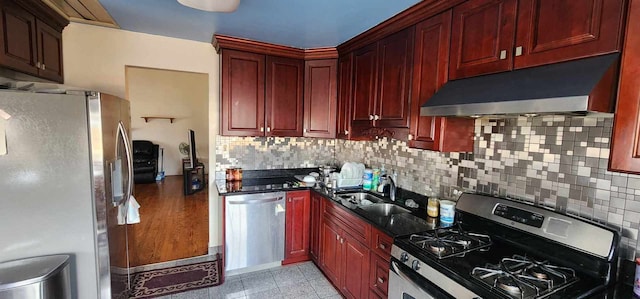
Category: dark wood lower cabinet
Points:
column 316, row 208
column 379, row 276
column 344, row 258
column 356, row 267
column 331, row 251
column 297, row 224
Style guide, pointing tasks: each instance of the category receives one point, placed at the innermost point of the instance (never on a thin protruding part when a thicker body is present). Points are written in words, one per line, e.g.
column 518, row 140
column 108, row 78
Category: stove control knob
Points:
column 415, row 265
column 404, row 257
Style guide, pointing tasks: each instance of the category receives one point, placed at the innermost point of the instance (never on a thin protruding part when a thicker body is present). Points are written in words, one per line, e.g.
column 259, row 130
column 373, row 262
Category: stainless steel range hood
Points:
column 574, row 87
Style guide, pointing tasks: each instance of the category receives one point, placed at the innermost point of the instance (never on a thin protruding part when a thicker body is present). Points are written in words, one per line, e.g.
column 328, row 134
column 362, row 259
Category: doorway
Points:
column 165, row 105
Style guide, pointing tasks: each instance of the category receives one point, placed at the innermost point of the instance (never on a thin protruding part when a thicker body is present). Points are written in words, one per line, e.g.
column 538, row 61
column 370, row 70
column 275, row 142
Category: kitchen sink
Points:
column 384, row 209
column 358, row 197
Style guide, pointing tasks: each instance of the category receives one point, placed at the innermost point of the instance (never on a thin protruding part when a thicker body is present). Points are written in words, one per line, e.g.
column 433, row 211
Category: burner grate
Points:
column 448, row 242
column 524, row 278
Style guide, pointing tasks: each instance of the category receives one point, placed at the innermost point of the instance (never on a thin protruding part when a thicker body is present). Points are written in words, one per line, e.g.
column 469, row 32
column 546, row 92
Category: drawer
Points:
column 356, row 227
column 379, row 276
column 381, row 243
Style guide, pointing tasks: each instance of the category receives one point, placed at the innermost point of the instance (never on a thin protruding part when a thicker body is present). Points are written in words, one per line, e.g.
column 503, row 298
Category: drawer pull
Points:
column 382, row 246
column 380, row 280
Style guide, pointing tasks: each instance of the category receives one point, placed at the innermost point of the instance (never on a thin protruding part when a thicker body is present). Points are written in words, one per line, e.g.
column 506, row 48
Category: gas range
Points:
column 505, row 249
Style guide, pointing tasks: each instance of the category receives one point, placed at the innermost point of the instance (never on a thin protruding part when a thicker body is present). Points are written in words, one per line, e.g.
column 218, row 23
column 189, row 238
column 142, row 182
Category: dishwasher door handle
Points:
column 254, row 201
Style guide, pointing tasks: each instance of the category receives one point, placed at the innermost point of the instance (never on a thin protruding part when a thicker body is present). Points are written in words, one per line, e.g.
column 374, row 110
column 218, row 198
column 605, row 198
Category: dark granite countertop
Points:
column 277, row 180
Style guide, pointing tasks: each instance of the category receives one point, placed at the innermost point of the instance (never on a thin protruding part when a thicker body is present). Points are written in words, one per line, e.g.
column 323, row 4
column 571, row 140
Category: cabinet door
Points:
column 297, row 224
column 395, row 55
column 316, row 209
column 482, row 37
column 356, row 268
column 430, row 72
column 330, row 250
column 345, row 89
column 242, row 94
column 379, row 275
column 284, row 96
column 625, row 142
column 557, row 30
column 364, row 87
column 320, row 98
column 18, row 42
column 49, row 52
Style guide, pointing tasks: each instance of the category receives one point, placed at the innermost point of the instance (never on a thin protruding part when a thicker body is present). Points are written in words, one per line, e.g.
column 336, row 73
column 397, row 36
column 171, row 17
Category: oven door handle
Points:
column 431, row 291
column 398, row 271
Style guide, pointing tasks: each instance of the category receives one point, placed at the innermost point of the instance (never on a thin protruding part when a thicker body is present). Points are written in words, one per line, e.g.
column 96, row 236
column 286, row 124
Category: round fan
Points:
column 184, row 148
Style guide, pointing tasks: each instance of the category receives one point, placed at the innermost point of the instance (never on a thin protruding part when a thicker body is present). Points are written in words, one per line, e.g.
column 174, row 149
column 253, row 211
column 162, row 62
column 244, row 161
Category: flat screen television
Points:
column 193, row 160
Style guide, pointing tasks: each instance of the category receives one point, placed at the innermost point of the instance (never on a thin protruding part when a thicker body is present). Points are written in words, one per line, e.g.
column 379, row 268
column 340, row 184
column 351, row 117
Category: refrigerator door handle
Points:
column 127, row 150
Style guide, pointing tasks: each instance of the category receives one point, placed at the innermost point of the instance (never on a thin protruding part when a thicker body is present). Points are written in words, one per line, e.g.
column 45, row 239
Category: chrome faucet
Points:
column 392, row 187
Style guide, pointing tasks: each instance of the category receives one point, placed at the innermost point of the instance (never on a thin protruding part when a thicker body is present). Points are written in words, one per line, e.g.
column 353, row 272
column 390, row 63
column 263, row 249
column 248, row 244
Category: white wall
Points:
column 95, row 58
column 183, row 95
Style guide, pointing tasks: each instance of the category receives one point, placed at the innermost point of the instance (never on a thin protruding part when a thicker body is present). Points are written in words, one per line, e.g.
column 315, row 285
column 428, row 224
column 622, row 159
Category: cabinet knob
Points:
column 304, row 130
column 370, row 116
column 261, row 129
column 410, row 137
column 44, row 67
column 382, row 246
column 337, row 237
column 289, row 199
column 268, row 129
column 376, row 117
column 380, row 280
column 518, row 51
column 503, row 54
column 38, row 64
column 341, row 241
column 346, row 132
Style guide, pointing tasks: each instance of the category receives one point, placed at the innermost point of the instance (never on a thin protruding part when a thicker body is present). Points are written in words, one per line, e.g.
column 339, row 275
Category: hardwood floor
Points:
column 173, row 226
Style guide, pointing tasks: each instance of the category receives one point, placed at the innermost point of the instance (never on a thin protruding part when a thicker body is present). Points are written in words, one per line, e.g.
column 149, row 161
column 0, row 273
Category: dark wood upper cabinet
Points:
column 381, row 85
column 49, row 52
column 430, row 70
column 19, row 40
column 482, row 37
column 261, row 95
column 320, row 98
column 30, row 45
column 345, row 89
column 557, row 30
column 395, row 56
column 364, row 86
column 625, row 142
column 284, row 79
column 243, row 90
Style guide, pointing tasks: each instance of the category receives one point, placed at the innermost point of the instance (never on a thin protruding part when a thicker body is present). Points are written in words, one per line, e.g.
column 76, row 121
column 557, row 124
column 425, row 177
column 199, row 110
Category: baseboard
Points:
column 215, row 249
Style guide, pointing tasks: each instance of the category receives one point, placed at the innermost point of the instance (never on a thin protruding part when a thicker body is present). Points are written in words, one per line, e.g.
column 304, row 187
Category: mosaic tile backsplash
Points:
column 555, row 161
column 252, row 153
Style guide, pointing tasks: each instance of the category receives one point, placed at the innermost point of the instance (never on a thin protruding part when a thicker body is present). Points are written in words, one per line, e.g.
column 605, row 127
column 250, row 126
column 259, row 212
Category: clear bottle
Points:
column 433, row 207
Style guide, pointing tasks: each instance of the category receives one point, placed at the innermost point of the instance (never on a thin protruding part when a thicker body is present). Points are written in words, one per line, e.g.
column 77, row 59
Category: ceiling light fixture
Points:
column 212, row 5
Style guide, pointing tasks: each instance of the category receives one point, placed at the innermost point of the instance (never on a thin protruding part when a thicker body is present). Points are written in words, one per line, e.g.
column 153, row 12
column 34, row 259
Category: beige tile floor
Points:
column 300, row 281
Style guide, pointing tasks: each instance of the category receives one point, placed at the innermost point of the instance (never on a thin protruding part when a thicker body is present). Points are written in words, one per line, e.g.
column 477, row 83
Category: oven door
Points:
column 405, row 283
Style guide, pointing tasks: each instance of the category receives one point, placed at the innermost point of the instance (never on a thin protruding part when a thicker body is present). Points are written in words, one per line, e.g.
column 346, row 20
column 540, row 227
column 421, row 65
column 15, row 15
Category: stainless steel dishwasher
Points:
column 254, row 229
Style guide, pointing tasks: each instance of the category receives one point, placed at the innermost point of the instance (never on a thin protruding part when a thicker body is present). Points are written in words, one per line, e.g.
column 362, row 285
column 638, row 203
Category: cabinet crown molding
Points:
column 220, row 41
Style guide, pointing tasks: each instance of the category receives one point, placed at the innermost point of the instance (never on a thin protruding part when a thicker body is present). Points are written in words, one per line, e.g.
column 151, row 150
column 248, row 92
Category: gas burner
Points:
column 443, row 243
column 437, row 247
column 509, row 284
column 522, row 277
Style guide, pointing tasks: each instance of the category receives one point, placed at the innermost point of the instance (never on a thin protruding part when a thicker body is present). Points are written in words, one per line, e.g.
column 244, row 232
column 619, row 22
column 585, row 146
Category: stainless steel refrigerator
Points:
column 64, row 178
